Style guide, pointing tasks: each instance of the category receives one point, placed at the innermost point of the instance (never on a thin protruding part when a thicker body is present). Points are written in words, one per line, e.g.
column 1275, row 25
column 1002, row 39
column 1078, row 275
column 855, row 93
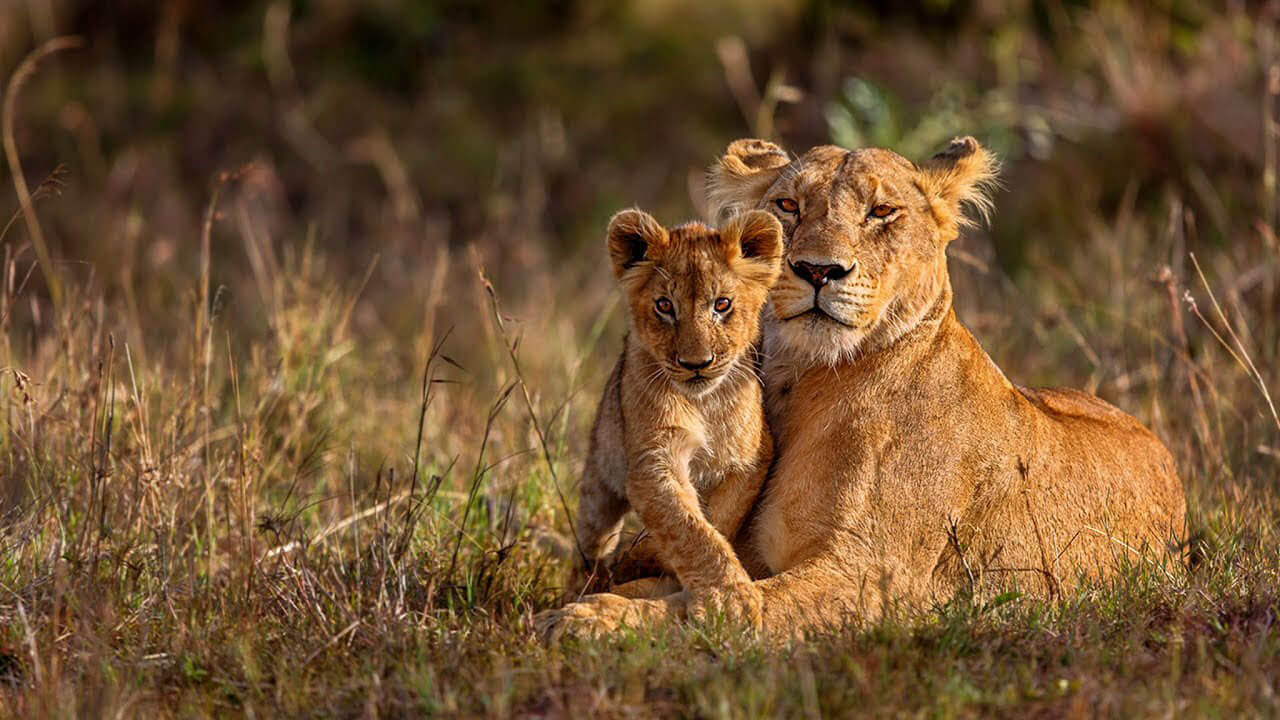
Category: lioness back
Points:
column 1130, row 445
column 681, row 424
column 1069, row 402
column 1125, row 468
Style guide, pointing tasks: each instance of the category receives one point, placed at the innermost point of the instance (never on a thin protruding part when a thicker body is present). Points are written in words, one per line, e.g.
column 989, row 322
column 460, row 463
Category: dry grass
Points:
column 256, row 460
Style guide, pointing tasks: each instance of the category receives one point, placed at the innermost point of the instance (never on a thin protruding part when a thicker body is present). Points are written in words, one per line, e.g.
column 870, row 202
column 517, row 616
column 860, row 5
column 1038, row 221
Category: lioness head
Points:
column 866, row 230
column 694, row 293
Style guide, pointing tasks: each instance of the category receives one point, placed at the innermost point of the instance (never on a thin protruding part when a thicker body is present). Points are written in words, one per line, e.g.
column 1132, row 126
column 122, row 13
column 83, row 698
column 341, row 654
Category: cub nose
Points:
column 700, row 363
column 818, row 275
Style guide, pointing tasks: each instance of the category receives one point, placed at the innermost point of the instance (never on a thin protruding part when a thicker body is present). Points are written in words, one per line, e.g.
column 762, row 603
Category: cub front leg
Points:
column 660, row 491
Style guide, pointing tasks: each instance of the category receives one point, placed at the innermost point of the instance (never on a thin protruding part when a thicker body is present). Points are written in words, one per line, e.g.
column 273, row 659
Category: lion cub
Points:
column 680, row 433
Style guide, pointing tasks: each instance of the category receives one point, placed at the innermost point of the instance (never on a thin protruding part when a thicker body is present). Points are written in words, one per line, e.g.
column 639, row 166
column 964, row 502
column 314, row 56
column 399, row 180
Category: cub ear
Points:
column 958, row 182
column 633, row 237
column 739, row 179
column 754, row 244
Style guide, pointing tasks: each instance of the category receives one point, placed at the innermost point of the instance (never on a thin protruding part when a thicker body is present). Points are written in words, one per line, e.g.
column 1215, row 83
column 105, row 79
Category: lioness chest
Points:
column 826, row 456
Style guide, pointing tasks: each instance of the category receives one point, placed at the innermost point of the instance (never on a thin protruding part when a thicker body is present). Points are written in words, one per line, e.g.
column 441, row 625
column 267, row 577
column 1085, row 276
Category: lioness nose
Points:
column 818, row 275
column 696, row 363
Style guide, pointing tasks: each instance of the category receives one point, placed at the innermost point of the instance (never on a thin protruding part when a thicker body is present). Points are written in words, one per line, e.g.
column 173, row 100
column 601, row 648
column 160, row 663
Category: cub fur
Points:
column 680, row 433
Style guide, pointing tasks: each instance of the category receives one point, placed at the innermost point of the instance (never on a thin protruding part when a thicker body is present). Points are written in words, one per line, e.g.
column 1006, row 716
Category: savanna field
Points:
column 305, row 309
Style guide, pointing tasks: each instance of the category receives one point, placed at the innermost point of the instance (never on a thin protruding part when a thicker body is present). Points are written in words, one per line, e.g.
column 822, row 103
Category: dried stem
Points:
column 1183, row 351
column 20, row 76
column 533, row 415
column 1243, row 357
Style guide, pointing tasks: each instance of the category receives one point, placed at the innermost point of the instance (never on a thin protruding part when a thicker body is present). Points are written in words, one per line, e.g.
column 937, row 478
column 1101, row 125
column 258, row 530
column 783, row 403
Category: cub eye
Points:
column 787, row 205
column 722, row 305
column 664, row 306
column 882, row 211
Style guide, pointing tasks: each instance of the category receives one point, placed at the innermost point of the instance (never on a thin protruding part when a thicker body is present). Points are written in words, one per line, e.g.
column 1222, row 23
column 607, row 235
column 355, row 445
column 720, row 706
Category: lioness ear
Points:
column 739, row 179
column 633, row 237
column 958, row 182
column 753, row 241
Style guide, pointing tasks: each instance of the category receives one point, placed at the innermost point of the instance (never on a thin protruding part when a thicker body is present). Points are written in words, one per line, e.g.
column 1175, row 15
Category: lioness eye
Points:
column 787, row 205
column 722, row 305
column 882, row 211
column 664, row 306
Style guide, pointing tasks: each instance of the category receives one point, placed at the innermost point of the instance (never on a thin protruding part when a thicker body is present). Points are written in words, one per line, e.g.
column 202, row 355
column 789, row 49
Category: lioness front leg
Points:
column 822, row 593
column 604, row 613
column 815, row 595
column 647, row 587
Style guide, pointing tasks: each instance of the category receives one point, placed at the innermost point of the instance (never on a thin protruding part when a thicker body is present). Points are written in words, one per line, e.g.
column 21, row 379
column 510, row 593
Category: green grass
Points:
column 273, row 550
column 286, row 463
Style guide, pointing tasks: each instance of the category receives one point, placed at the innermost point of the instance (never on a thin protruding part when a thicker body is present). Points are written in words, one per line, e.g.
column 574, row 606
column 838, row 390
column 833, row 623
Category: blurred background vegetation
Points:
column 519, row 127
column 405, row 129
column 208, row 395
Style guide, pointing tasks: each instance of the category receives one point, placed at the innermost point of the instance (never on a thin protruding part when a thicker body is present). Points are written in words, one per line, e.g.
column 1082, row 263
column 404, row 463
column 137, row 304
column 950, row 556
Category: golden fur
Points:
column 680, row 432
column 907, row 466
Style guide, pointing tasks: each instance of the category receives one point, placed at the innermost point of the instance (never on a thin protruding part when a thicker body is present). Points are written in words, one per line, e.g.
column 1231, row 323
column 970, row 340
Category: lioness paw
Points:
column 740, row 603
column 592, row 617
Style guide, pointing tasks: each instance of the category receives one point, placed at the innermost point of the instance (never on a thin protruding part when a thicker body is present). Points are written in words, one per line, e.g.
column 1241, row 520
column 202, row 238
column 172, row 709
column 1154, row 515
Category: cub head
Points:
column 867, row 231
column 694, row 293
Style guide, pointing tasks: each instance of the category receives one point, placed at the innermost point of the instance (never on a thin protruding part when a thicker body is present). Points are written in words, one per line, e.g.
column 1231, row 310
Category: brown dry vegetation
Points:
column 273, row 445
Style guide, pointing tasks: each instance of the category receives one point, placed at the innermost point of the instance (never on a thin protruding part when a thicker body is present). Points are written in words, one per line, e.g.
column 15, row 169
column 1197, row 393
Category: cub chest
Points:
column 732, row 434
column 727, row 431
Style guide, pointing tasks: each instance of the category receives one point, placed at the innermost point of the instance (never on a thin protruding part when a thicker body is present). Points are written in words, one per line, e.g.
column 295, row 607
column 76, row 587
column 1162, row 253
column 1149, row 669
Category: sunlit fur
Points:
column 691, row 266
column 908, row 468
column 898, row 263
column 688, row 449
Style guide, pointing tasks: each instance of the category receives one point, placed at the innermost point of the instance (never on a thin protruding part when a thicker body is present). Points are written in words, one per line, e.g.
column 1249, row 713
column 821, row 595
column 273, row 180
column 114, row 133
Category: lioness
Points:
column 908, row 466
column 681, row 424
